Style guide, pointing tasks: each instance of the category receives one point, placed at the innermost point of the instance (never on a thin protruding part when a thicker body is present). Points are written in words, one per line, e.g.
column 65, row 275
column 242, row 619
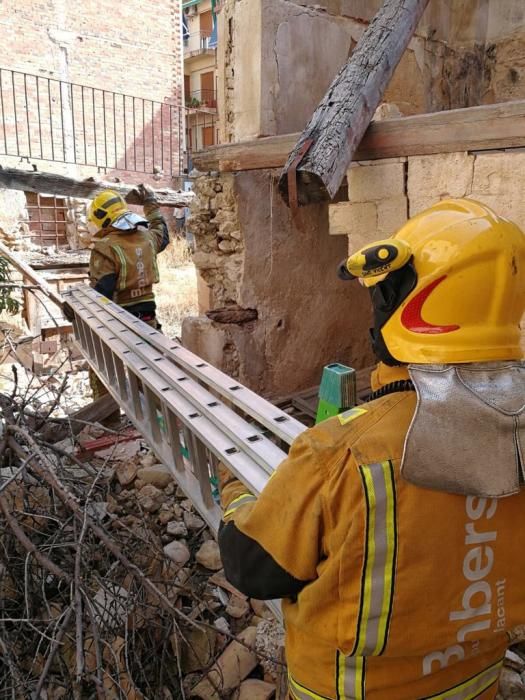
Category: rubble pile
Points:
column 110, row 583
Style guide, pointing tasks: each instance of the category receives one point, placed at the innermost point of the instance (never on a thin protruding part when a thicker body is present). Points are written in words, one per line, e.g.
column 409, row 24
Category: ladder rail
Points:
column 216, row 441
column 147, row 389
column 246, row 437
column 274, row 419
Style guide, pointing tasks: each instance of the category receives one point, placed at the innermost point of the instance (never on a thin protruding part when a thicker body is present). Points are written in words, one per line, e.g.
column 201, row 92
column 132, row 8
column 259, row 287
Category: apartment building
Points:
column 200, row 72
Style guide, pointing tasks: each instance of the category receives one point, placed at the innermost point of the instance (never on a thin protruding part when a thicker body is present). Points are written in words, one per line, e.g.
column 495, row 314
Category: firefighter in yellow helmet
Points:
column 392, row 531
column 123, row 263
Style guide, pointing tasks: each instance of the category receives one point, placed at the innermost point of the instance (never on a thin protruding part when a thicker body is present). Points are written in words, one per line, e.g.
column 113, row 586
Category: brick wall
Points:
column 133, row 48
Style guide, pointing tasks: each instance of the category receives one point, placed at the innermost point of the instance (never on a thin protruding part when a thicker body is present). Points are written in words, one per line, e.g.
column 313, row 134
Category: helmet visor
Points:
column 387, row 296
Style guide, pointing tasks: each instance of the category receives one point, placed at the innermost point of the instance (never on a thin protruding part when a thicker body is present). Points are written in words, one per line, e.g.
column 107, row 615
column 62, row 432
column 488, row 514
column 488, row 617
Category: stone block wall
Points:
column 219, row 241
column 383, row 194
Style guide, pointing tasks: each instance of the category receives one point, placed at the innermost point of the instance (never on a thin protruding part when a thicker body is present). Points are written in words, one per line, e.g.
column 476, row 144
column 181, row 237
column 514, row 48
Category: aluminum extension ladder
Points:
column 191, row 414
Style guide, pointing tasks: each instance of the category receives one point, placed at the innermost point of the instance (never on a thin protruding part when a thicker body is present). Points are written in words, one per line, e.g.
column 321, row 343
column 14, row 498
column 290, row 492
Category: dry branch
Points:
column 71, row 551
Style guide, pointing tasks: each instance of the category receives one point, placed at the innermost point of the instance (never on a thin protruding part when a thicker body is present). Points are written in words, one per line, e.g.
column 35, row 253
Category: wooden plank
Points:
column 319, row 161
column 259, row 154
column 49, row 183
column 94, row 412
column 52, row 331
column 470, row 129
column 31, row 275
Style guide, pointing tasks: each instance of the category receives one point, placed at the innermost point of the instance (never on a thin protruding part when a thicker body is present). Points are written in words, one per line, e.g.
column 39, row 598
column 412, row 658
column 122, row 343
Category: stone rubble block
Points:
column 177, row 529
column 347, row 218
column 158, row 475
column 234, row 664
column 192, row 521
column 371, row 183
column 150, row 498
column 254, row 689
column 209, row 555
column 177, row 552
column 436, row 177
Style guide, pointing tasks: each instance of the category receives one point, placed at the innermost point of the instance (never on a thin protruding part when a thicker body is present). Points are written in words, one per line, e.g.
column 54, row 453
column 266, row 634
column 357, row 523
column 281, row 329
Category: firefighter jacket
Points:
column 123, row 264
column 390, row 591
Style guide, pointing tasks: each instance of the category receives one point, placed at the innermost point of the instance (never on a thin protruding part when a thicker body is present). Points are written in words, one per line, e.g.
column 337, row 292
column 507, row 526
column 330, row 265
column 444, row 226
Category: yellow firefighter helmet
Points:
column 448, row 287
column 105, row 209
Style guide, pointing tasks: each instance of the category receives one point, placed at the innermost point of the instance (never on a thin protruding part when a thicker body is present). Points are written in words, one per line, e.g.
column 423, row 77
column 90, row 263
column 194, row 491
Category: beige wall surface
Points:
column 279, row 57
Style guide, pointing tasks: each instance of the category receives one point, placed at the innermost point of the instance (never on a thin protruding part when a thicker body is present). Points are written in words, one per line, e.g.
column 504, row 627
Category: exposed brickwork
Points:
column 134, row 48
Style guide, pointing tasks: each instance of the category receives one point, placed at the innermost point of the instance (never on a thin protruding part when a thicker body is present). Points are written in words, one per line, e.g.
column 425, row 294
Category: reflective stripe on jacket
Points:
column 130, row 257
column 393, row 592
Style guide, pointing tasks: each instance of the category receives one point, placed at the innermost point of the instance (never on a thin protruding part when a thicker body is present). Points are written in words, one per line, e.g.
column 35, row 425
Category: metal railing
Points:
column 206, row 99
column 49, row 119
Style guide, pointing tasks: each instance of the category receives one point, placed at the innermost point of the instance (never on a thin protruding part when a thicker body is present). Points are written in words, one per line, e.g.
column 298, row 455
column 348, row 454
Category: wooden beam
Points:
column 318, row 163
column 48, row 183
column 31, row 275
column 60, row 428
column 482, row 128
column 259, row 154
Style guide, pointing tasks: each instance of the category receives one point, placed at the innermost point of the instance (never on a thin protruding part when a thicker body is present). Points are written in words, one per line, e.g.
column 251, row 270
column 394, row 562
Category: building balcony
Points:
column 198, row 43
column 202, row 100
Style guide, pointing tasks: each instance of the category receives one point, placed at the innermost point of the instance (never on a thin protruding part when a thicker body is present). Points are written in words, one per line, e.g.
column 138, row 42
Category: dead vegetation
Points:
column 106, row 587
column 110, row 583
column 176, row 294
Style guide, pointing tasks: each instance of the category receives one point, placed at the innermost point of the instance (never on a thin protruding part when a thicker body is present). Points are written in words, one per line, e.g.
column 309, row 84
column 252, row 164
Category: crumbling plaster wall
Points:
column 278, row 58
column 306, row 316
column 13, row 214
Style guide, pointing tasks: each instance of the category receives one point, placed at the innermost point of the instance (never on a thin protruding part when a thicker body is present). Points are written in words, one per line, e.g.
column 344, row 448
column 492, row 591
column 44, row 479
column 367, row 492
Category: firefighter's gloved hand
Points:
column 68, row 312
column 225, row 475
column 146, row 194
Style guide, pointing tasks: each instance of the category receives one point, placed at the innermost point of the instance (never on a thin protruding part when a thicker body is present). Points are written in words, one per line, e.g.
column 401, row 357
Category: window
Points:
column 48, row 220
column 206, row 23
column 207, row 98
column 208, row 136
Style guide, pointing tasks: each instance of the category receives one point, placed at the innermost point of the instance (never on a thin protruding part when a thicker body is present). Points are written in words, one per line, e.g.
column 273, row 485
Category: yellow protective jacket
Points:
column 391, row 591
column 123, row 264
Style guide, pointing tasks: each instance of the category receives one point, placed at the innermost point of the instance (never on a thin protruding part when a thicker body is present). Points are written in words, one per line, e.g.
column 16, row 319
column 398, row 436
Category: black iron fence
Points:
column 49, row 119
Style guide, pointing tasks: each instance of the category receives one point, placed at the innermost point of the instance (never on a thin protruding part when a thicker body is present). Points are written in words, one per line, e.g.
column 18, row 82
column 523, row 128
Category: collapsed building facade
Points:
column 275, row 63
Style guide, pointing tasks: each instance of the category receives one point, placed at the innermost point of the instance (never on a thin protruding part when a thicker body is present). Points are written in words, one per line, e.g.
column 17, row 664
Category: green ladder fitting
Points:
column 337, row 392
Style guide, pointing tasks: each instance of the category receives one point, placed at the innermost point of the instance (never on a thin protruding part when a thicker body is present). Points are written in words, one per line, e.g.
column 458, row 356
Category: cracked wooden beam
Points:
column 49, row 183
column 318, row 163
